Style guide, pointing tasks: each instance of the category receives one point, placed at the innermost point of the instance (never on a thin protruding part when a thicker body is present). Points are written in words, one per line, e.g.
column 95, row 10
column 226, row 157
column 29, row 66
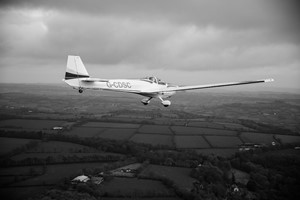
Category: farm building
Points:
column 250, row 146
column 80, row 179
column 97, row 180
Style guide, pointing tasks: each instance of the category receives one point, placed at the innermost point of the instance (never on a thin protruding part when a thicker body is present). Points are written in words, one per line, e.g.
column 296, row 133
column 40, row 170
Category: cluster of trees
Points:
column 214, row 178
column 171, row 158
column 273, row 175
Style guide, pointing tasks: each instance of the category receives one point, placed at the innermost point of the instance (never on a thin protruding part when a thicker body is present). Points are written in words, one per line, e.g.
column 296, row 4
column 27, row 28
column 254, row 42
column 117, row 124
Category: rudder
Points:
column 75, row 68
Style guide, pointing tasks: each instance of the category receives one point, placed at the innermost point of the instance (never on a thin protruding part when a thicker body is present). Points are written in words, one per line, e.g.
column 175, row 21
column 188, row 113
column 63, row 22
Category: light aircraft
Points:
column 151, row 87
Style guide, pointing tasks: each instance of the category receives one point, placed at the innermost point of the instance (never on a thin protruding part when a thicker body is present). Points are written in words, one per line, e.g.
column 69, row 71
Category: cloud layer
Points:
column 187, row 36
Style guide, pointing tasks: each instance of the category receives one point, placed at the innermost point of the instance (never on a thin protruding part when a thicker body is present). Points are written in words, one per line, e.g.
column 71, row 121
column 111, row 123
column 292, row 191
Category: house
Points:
column 80, row 179
column 97, row 180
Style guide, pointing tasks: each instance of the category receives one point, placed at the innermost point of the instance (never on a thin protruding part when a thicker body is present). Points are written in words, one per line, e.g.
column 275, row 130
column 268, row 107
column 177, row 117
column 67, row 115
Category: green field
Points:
column 223, row 141
column 85, row 131
column 205, row 124
column 190, row 142
column 15, row 171
column 30, row 124
column 155, row 129
column 117, row 134
column 153, row 139
column 9, row 144
column 288, row 139
column 209, row 131
column 182, row 130
column 61, row 147
column 240, row 176
column 110, row 125
column 180, row 175
column 20, row 193
column 135, row 187
column 257, row 138
column 58, row 149
column 234, row 126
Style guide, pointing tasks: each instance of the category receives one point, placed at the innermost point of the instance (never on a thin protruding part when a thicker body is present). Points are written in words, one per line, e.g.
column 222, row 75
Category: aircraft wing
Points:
column 195, row 87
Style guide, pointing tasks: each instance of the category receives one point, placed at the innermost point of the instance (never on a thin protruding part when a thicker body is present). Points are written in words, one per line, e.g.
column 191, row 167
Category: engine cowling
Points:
column 166, row 103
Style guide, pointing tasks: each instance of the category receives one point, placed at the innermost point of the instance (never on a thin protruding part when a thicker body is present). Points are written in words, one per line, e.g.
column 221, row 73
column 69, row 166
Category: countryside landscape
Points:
column 206, row 145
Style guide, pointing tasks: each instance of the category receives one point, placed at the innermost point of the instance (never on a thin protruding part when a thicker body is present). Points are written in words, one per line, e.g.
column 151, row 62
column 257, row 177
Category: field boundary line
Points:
column 207, row 141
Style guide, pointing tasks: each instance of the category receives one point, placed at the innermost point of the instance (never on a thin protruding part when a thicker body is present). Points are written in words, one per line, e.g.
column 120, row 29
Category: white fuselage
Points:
column 138, row 86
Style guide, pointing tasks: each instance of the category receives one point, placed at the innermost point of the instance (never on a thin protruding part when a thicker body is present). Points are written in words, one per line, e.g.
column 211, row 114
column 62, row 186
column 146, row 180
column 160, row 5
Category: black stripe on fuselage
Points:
column 72, row 76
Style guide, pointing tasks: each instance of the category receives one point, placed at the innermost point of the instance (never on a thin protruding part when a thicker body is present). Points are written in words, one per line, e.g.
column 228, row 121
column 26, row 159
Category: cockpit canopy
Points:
column 153, row 79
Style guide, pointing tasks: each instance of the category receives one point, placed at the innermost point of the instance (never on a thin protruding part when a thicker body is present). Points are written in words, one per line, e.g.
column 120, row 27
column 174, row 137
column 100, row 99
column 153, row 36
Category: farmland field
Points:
column 240, row 176
column 190, row 142
column 111, row 125
column 18, row 170
column 20, row 193
column 85, row 131
column 288, row 139
column 61, row 147
column 257, row 137
column 180, row 175
column 117, row 134
column 182, row 130
column 59, row 157
column 30, row 124
column 205, row 124
column 134, row 186
column 8, row 144
column 223, row 141
column 58, row 149
column 153, row 139
column 155, row 129
column 210, row 131
column 234, row 126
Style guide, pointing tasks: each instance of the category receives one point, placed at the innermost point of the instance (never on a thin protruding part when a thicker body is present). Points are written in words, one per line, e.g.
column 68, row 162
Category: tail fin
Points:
column 75, row 68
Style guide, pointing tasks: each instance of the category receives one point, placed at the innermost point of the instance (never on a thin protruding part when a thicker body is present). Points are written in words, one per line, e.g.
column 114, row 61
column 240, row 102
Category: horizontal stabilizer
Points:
column 94, row 80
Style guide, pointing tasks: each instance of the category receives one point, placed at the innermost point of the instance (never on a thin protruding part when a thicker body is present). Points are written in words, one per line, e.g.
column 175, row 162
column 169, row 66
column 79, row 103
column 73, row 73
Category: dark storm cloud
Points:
column 170, row 34
column 277, row 15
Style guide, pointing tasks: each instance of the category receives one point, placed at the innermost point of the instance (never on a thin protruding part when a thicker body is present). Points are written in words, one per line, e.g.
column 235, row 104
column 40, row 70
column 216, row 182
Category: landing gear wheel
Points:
column 146, row 101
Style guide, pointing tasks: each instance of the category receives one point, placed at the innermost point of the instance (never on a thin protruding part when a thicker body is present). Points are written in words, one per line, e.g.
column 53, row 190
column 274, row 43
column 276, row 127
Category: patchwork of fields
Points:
column 205, row 137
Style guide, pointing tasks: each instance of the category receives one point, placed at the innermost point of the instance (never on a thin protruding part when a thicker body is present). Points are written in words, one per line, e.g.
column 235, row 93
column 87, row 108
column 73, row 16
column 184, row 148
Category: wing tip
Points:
column 269, row 80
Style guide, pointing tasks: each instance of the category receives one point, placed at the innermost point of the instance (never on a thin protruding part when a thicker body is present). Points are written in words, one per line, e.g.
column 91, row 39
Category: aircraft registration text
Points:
column 118, row 84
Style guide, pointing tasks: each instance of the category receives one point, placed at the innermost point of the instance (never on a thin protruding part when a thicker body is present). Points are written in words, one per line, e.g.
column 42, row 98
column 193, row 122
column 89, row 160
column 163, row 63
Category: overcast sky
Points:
column 180, row 41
